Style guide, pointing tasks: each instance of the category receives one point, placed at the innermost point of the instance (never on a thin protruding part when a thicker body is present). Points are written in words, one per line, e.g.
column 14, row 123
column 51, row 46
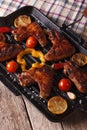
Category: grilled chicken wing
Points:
column 77, row 75
column 61, row 47
column 25, row 79
column 32, row 29
column 44, row 76
column 9, row 51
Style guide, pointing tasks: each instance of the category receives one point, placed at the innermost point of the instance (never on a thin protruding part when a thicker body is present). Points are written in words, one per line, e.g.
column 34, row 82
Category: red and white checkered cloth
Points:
column 60, row 11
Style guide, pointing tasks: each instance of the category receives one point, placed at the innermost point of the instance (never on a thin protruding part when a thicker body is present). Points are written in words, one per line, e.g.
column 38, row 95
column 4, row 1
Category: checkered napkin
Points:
column 59, row 11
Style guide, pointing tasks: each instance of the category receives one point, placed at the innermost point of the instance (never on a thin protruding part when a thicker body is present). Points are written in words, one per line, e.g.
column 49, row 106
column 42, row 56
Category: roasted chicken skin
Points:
column 25, row 79
column 61, row 47
column 77, row 75
column 9, row 51
column 43, row 76
column 33, row 29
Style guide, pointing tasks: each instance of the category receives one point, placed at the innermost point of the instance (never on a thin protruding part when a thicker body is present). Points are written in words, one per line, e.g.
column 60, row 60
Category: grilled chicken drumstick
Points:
column 77, row 75
column 44, row 76
column 33, row 29
column 61, row 47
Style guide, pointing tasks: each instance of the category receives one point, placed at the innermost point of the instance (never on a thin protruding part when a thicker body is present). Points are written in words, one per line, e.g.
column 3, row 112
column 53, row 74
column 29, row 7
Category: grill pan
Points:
column 32, row 92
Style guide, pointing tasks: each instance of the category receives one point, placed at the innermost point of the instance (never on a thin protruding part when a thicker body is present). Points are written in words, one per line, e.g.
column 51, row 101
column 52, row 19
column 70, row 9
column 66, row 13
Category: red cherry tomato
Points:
column 64, row 84
column 31, row 42
column 11, row 66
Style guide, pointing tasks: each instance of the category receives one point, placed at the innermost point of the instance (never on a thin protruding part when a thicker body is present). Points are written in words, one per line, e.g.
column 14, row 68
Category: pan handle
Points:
column 73, row 34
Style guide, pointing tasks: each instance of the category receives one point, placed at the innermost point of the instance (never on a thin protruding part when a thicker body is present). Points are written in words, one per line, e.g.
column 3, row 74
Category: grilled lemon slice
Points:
column 80, row 59
column 57, row 105
column 22, row 20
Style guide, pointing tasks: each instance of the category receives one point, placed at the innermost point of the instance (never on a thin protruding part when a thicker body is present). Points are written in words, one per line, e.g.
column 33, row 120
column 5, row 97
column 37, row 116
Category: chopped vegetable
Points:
column 31, row 42
column 34, row 53
column 58, row 66
column 12, row 66
column 64, row 84
column 71, row 95
column 57, row 105
column 5, row 29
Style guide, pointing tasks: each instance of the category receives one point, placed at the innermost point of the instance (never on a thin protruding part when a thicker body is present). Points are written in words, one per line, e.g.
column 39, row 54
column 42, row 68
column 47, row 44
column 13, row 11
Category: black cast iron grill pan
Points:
column 32, row 92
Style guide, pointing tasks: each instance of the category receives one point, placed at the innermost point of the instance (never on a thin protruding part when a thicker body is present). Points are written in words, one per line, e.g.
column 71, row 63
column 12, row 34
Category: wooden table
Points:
column 17, row 113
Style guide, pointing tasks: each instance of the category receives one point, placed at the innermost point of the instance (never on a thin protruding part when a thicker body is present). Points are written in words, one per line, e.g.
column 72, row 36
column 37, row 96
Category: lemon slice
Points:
column 22, row 20
column 57, row 105
column 80, row 59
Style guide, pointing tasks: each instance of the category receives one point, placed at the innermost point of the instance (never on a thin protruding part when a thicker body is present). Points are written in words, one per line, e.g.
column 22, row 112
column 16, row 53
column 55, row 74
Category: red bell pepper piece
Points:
column 58, row 66
column 5, row 29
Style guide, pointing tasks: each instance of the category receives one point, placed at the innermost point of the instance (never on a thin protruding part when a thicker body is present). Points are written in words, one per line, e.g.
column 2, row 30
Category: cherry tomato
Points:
column 64, row 84
column 12, row 66
column 31, row 42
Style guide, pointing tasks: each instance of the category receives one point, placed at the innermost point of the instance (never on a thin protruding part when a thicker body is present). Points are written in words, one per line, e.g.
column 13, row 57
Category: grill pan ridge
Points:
column 32, row 92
